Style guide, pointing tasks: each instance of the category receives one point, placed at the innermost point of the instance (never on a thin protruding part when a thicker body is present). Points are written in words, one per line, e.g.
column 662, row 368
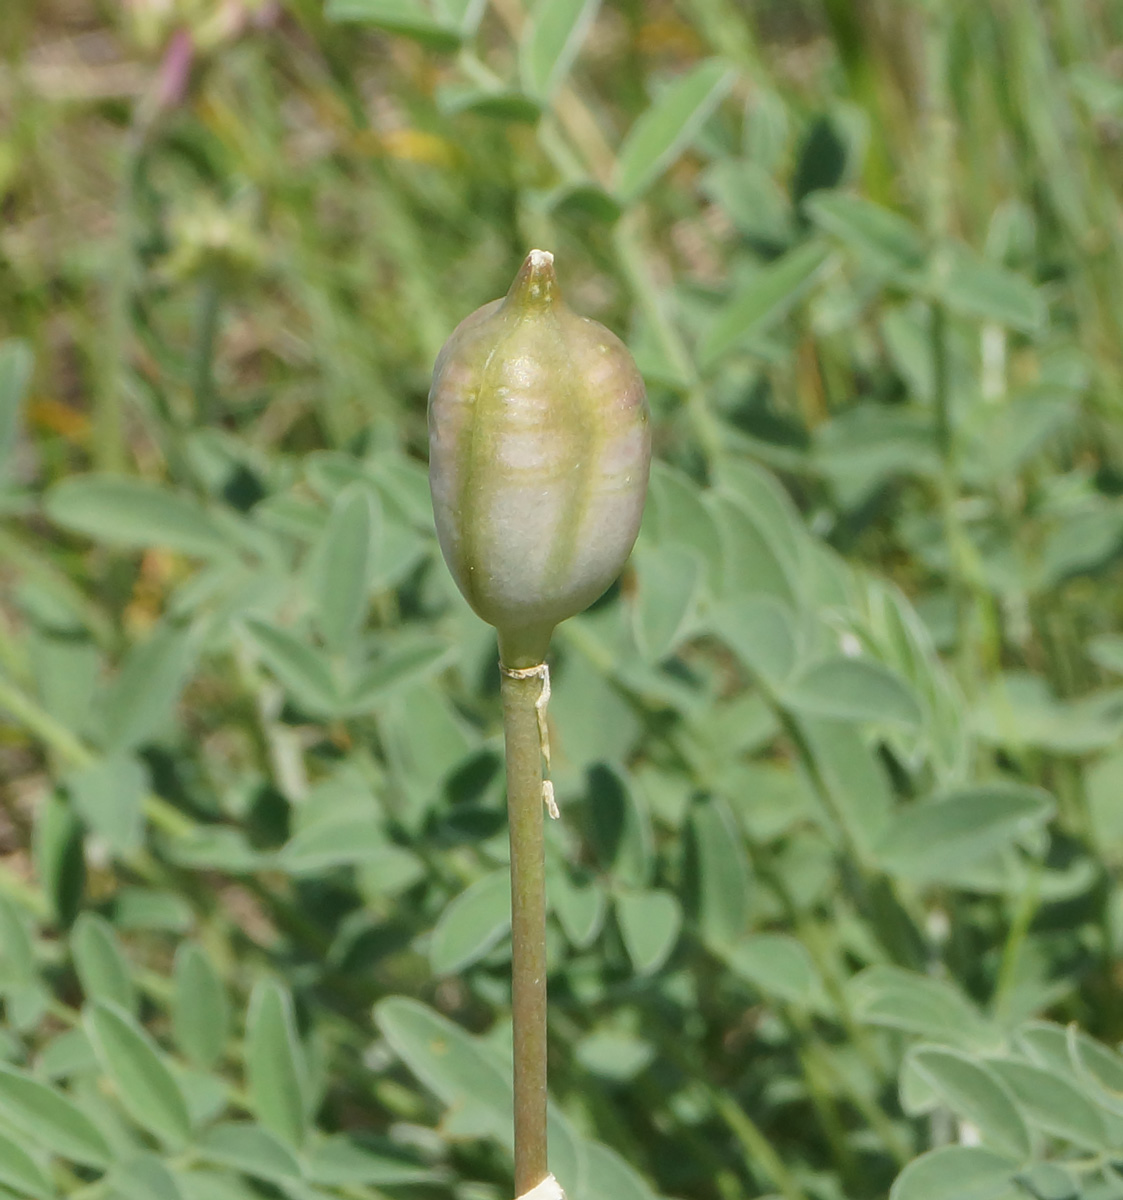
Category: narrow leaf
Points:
column 20, row 1172
column 51, row 1119
column 17, row 951
column 718, row 874
column 974, row 1093
column 303, row 671
column 668, row 126
column 974, row 287
column 249, row 1148
column 344, row 561
column 407, row 17
column 135, row 514
column 142, row 699
column 275, row 1064
column 16, row 364
column 100, row 962
column 878, row 236
column 551, row 41
column 200, row 1008
column 769, row 297
column 143, row 1081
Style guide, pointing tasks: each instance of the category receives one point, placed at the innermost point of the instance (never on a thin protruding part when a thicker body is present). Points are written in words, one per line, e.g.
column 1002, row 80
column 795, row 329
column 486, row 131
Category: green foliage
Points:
column 835, row 902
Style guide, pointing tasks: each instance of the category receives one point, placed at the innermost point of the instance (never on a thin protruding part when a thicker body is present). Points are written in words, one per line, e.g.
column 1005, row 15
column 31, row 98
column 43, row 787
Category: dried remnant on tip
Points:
column 536, row 282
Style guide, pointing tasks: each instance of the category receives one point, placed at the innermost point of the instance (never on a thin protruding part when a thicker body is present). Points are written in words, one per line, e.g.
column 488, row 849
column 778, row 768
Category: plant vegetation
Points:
column 835, row 903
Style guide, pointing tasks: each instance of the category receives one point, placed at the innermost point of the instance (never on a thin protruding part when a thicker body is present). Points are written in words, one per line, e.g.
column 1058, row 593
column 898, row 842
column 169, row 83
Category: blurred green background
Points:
column 835, row 894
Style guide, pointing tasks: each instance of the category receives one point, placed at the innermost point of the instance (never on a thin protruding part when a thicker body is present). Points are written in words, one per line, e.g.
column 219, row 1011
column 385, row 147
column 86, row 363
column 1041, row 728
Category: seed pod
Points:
column 539, row 449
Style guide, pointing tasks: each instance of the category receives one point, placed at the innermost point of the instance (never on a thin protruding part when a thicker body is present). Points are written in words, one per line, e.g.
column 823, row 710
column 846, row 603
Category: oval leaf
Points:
column 142, row 699
column 760, row 630
column 100, row 962
column 339, row 1162
column 853, row 689
column 472, row 924
column 109, row 797
column 777, row 964
column 955, row 1173
column 649, row 924
column 448, row 1061
column 16, row 363
column 669, row 579
column 974, row 287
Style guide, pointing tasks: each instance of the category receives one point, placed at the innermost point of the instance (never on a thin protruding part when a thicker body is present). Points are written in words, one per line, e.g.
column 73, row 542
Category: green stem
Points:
column 1024, row 913
column 528, row 925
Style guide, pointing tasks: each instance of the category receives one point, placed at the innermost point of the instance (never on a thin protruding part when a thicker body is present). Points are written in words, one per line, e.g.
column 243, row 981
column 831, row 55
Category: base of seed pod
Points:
column 521, row 649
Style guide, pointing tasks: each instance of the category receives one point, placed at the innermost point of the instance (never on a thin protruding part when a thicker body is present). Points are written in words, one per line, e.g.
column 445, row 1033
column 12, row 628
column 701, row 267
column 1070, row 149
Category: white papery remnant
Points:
column 548, row 1189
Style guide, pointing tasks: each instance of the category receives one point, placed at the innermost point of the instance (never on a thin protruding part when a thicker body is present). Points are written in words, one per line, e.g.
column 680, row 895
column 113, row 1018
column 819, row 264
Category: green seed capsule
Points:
column 539, row 450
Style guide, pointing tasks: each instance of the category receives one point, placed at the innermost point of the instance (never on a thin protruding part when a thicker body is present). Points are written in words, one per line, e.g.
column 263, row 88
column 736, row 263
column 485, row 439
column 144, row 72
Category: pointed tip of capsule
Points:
column 536, row 284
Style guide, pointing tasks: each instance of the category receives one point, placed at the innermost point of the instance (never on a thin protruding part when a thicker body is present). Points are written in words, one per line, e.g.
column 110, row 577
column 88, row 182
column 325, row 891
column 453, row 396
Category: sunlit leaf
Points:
column 552, row 40
column 668, row 126
column 135, row 514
